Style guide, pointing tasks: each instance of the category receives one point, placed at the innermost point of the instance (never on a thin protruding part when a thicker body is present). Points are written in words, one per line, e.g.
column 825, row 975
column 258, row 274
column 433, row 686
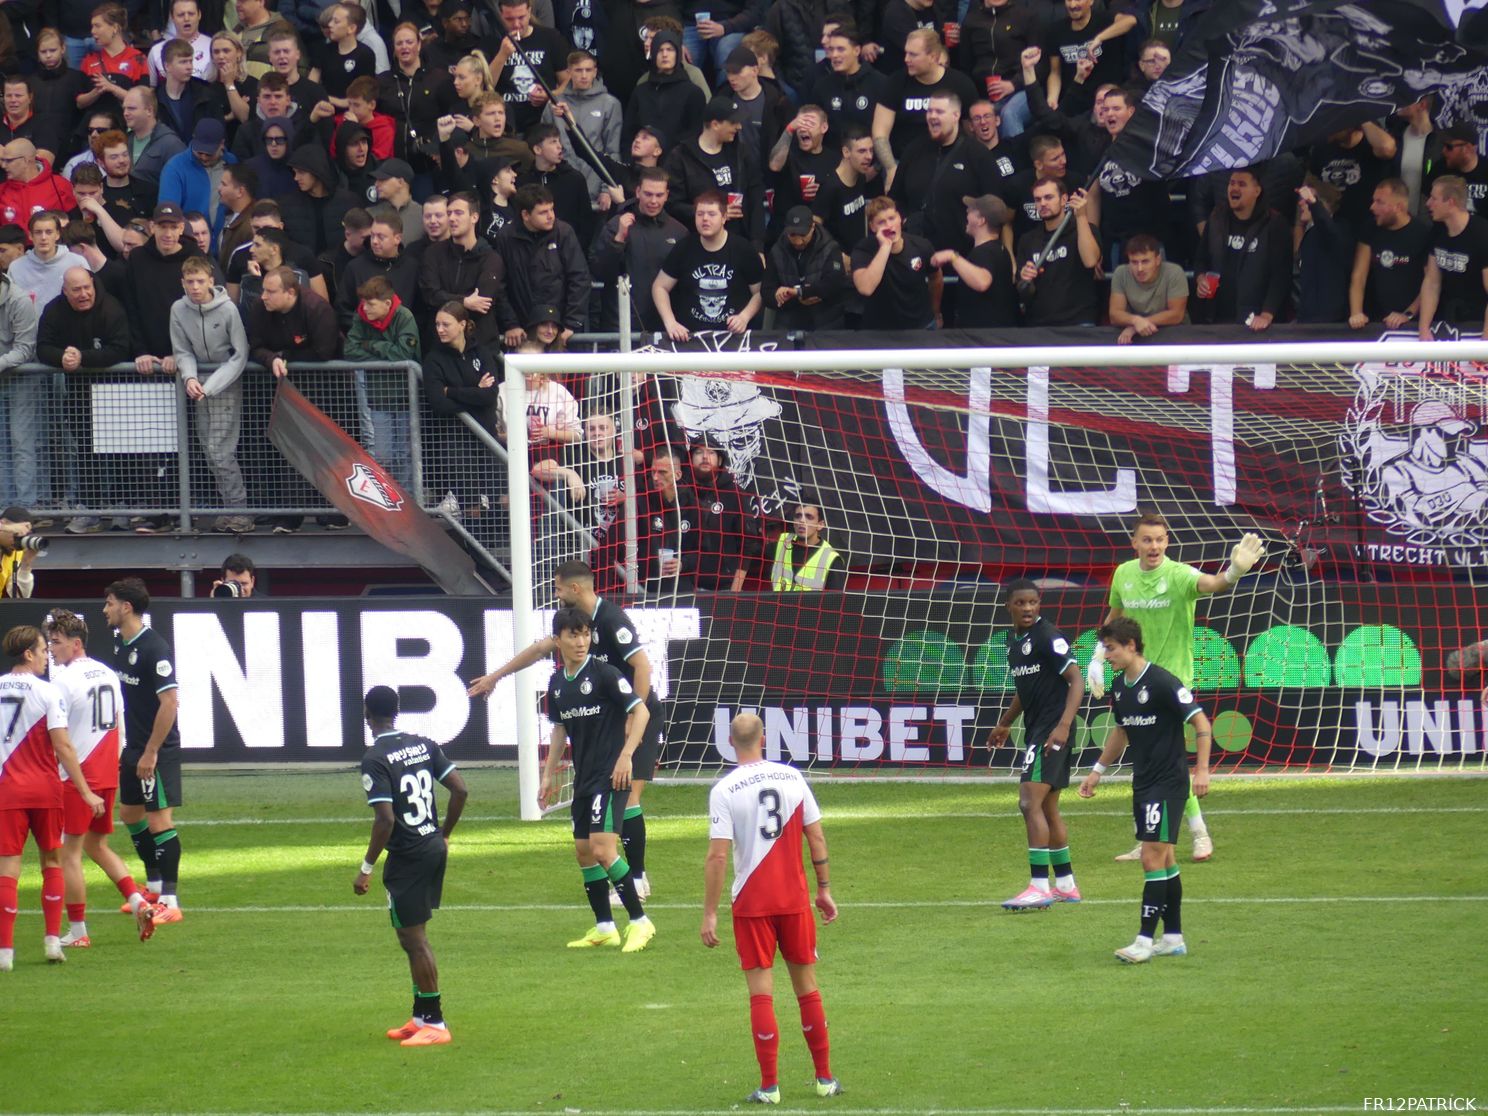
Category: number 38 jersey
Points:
column 94, row 703
column 402, row 770
column 763, row 808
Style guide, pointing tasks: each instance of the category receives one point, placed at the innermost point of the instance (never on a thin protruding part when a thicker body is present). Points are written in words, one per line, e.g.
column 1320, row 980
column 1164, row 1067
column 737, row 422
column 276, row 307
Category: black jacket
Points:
column 570, row 196
column 306, row 331
column 315, row 222
column 818, row 271
column 692, row 174
column 544, row 269
column 101, row 335
column 401, row 271
column 930, row 182
column 154, row 287
column 1264, row 276
column 641, row 256
column 669, row 101
column 450, row 380
column 447, row 273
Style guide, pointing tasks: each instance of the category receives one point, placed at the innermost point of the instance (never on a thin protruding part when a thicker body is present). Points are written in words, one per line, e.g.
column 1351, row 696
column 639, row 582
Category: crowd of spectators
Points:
column 194, row 185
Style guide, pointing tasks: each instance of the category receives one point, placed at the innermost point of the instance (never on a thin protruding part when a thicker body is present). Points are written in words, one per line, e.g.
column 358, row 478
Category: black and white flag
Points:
column 1259, row 77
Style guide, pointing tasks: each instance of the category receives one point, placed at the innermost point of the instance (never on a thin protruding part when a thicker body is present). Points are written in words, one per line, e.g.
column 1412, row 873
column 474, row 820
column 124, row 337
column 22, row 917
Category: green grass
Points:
column 273, row 994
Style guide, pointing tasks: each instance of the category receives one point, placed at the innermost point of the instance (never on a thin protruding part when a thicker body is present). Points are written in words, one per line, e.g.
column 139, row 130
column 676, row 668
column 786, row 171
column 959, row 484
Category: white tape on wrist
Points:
column 367, row 867
column 1098, row 767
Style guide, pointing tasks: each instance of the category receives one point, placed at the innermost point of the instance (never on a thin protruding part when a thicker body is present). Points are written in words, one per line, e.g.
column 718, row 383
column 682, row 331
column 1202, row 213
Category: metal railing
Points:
column 98, row 446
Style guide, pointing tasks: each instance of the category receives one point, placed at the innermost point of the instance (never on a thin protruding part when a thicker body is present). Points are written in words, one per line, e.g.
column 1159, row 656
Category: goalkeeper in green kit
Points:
column 1160, row 594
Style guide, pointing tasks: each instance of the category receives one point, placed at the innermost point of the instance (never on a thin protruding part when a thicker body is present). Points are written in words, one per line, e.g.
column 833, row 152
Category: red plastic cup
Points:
column 1207, row 284
column 951, row 34
column 993, row 93
column 807, row 181
column 736, row 200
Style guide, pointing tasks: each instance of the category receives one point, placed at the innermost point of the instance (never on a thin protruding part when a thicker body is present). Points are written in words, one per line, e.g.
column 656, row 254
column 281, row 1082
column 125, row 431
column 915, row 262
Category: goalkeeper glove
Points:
column 1248, row 551
column 1095, row 673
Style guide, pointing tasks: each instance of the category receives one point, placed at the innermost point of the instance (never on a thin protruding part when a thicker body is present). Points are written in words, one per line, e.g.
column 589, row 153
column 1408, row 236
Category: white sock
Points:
column 638, row 921
column 1040, row 884
column 170, row 901
column 1173, row 939
column 51, row 940
column 604, row 927
column 1143, row 939
column 136, row 901
column 1065, row 883
column 77, row 929
column 7, row 958
column 1197, row 828
column 153, row 885
column 440, row 1025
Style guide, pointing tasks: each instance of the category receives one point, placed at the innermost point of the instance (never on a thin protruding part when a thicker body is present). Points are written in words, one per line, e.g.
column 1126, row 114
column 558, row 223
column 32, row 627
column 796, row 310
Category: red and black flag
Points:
column 347, row 476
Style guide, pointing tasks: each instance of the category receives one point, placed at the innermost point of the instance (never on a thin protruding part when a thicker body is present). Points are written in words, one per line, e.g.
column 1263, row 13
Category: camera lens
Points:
column 226, row 589
column 34, row 542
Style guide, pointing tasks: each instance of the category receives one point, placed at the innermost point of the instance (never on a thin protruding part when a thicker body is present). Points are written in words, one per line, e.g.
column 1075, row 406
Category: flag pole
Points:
column 1026, row 287
column 593, row 156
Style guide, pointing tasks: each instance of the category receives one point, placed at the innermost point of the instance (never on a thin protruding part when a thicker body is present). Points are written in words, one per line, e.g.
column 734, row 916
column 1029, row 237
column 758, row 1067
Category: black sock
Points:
column 144, row 845
column 624, row 880
column 1154, row 899
column 168, row 860
column 633, row 837
column 418, row 1008
column 1173, row 914
column 597, row 888
column 427, row 1008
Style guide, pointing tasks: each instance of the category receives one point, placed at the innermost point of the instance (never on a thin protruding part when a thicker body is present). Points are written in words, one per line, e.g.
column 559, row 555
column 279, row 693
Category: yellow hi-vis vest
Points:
column 812, row 577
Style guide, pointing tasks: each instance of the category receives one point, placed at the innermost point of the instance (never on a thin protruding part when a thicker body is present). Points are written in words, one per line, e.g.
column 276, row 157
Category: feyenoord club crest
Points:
column 1142, row 696
column 1028, row 647
column 586, row 687
column 372, row 489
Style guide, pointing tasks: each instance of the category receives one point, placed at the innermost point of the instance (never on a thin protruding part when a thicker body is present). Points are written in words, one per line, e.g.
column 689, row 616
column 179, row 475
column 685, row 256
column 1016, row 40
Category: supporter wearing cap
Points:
column 718, row 160
column 764, row 110
column 393, row 180
column 635, row 242
column 1460, row 156
column 192, row 180
column 498, row 178
column 154, row 286
column 666, row 98
column 804, row 278
column 987, row 297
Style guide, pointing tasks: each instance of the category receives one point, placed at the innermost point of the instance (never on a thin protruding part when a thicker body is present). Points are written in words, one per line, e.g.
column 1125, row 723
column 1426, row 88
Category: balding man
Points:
column 85, row 328
column 762, row 809
column 30, row 185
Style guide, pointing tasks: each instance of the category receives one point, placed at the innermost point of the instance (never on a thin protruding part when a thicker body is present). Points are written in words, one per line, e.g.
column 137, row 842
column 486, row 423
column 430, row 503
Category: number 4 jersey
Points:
column 763, row 808
column 402, row 769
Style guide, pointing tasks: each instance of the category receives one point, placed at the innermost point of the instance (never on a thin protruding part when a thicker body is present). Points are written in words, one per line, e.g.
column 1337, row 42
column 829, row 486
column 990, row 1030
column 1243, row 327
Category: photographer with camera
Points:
column 239, row 576
column 19, row 549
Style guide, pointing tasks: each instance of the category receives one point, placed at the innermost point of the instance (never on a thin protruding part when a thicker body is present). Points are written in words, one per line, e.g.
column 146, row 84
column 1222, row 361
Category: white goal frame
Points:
column 518, row 366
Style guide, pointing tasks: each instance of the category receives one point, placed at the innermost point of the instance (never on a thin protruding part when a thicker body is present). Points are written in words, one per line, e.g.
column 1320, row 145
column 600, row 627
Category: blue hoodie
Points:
column 190, row 185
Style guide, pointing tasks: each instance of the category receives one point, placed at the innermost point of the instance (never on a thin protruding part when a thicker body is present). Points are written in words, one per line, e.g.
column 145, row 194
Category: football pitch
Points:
column 1336, row 954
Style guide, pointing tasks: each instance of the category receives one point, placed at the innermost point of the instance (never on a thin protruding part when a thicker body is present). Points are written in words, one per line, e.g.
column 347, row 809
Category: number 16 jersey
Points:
column 764, row 808
column 402, row 770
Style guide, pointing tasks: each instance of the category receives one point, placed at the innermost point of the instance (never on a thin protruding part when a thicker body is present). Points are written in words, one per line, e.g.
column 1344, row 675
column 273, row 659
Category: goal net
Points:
column 937, row 475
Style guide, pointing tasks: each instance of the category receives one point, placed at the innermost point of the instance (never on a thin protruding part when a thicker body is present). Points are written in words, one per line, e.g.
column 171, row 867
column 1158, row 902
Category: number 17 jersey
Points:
column 764, row 808
column 402, row 769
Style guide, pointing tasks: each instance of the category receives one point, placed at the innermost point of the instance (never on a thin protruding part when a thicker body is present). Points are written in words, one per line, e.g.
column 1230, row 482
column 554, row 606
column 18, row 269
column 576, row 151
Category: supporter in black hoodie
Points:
column 355, row 161
column 668, row 99
column 313, row 212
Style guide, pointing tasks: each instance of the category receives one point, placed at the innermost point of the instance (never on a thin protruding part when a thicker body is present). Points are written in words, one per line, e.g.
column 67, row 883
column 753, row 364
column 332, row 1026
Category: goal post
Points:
column 941, row 472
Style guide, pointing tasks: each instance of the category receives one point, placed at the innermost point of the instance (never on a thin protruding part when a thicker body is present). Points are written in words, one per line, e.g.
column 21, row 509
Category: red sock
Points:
column 77, row 912
column 766, row 1039
column 51, row 900
column 814, row 1027
column 7, row 912
column 127, row 886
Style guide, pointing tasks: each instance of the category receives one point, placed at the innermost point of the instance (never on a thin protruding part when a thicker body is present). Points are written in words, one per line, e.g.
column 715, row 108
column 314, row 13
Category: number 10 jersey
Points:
column 402, row 770
column 763, row 808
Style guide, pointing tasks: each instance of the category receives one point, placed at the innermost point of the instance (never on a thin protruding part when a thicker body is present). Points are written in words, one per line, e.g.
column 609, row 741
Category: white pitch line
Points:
column 1119, row 1109
column 871, row 815
column 846, row 904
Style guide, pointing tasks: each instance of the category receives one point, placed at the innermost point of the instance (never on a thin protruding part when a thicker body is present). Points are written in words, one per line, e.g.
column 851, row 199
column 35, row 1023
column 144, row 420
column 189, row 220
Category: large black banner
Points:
column 1258, row 77
column 1292, row 672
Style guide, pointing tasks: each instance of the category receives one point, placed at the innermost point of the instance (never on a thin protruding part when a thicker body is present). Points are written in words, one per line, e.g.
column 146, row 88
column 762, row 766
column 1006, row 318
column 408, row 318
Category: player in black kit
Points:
column 1049, row 690
column 595, row 709
column 615, row 641
column 150, row 761
column 398, row 773
column 1151, row 706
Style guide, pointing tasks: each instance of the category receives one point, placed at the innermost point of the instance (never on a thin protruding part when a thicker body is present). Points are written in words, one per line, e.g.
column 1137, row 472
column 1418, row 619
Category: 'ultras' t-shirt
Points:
column 712, row 286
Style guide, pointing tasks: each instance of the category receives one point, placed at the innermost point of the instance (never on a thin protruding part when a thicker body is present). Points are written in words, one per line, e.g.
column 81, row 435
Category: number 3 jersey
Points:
column 30, row 708
column 402, row 770
column 763, row 808
column 94, row 701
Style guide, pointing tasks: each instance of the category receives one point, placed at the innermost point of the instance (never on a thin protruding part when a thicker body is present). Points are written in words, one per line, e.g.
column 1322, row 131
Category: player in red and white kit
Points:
column 763, row 809
column 94, row 703
column 33, row 741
